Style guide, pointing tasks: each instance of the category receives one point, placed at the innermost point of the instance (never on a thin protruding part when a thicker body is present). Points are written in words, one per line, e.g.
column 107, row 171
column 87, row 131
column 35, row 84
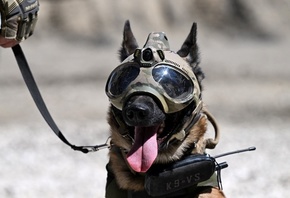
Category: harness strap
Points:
column 35, row 93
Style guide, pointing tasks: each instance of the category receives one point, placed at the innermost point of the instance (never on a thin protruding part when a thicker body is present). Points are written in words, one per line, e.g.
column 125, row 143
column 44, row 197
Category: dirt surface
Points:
column 246, row 88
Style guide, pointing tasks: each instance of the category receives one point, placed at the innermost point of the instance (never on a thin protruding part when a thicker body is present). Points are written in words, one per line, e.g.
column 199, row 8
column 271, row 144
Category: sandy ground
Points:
column 246, row 88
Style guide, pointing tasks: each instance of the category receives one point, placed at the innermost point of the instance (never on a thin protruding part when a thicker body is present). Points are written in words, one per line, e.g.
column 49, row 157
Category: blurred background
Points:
column 244, row 49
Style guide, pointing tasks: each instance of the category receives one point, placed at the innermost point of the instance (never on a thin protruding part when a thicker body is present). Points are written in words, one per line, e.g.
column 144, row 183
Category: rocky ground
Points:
column 246, row 88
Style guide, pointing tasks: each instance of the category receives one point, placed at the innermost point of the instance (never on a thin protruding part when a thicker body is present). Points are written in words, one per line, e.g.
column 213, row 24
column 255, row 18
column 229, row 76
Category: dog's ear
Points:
column 189, row 48
column 189, row 51
column 129, row 43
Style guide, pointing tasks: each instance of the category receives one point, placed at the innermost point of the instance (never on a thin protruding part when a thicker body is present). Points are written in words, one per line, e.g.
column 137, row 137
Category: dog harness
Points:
column 178, row 179
column 113, row 191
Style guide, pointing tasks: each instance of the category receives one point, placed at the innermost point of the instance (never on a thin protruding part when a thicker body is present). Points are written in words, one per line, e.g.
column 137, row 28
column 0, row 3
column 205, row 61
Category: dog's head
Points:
column 155, row 97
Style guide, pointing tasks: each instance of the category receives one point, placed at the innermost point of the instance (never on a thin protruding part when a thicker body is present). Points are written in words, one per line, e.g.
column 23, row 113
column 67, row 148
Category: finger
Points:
column 8, row 43
column 2, row 40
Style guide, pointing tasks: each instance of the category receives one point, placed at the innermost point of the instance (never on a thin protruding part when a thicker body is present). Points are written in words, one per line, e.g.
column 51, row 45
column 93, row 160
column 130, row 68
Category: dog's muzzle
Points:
column 136, row 112
column 154, row 71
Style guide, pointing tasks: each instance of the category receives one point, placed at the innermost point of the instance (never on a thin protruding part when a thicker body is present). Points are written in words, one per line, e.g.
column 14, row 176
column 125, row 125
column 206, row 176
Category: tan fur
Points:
column 208, row 192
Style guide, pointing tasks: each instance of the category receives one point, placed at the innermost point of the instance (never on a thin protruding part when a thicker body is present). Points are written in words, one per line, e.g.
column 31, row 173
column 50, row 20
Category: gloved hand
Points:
column 18, row 18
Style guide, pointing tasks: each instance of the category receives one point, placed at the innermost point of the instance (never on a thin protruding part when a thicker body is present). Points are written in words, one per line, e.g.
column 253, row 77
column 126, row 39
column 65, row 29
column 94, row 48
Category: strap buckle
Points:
column 89, row 149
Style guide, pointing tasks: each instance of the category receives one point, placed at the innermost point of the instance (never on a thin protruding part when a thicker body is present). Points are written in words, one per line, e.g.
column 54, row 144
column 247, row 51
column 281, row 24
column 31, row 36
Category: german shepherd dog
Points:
column 156, row 115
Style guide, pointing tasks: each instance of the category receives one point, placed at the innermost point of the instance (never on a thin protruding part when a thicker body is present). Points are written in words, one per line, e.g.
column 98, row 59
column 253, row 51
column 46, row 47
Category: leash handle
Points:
column 36, row 95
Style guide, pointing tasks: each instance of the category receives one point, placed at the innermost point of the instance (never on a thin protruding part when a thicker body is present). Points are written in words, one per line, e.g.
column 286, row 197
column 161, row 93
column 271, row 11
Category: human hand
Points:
column 17, row 20
column 4, row 42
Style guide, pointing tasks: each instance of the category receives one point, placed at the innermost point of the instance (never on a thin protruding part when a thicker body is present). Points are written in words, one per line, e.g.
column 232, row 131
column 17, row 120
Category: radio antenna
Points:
column 235, row 152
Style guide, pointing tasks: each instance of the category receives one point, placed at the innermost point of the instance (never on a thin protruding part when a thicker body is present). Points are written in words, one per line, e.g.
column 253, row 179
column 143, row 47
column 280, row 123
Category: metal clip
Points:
column 98, row 147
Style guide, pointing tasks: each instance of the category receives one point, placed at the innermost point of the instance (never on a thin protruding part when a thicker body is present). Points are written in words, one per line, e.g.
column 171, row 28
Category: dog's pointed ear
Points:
column 129, row 43
column 189, row 49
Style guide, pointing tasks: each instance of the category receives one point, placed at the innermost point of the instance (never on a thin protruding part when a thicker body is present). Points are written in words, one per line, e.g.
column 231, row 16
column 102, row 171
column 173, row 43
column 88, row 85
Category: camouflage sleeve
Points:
column 18, row 18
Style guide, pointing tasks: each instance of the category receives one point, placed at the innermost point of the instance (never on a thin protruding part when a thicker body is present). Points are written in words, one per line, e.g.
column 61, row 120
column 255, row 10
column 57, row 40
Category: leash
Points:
column 35, row 93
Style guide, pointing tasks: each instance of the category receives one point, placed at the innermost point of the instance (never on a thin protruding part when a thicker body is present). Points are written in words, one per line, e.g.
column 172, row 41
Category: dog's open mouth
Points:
column 145, row 148
column 150, row 128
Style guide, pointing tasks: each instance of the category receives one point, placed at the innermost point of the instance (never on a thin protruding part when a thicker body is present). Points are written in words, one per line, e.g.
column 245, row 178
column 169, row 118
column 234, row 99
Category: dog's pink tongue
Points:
column 145, row 149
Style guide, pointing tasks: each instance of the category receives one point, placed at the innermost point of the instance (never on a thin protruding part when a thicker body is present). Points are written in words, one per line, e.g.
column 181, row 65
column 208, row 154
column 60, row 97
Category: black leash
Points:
column 35, row 93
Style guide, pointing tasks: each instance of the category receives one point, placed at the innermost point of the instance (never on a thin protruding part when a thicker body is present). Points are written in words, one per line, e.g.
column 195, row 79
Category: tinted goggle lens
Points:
column 121, row 77
column 174, row 83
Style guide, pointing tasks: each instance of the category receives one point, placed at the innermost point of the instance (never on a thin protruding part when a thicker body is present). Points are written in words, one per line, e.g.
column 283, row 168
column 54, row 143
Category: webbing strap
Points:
column 35, row 93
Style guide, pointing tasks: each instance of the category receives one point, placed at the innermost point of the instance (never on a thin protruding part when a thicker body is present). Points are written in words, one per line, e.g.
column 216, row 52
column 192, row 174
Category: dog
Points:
column 156, row 115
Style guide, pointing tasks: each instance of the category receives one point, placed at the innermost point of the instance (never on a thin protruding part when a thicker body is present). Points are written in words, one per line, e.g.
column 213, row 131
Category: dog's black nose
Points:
column 136, row 114
column 142, row 111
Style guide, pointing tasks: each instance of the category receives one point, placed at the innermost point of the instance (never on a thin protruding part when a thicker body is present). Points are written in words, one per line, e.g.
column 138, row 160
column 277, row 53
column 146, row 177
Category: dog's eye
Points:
column 121, row 78
column 174, row 83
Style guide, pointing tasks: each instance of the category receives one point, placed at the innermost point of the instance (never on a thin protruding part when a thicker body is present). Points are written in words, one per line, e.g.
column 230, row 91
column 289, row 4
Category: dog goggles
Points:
column 163, row 74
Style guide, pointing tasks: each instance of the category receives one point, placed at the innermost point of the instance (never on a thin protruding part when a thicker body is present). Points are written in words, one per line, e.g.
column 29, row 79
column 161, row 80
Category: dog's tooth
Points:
column 161, row 128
